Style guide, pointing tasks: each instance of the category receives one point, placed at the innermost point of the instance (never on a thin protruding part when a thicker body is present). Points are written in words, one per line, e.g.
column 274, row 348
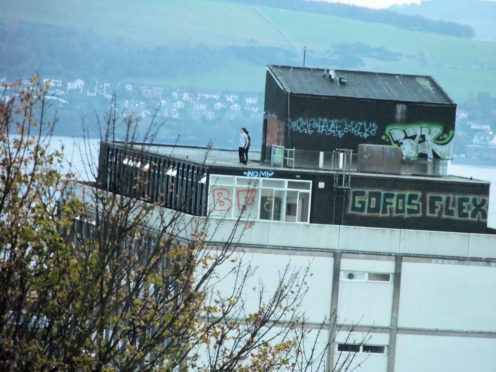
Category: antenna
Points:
column 304, row 54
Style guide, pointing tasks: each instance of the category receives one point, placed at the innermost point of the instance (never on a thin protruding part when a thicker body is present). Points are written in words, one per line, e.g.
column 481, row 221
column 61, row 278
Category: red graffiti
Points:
column 275, row 131
column 222, row 201
column 246, row 198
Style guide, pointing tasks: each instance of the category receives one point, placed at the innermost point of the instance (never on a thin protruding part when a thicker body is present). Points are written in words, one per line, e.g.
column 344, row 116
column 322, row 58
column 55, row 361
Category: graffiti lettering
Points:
column 421, row 139
column 275, row 130
column 406, row 204
column 258, row 174
column 459, row 207
column 385, row 203
column 249, row 225
column 333, row 127
column 246, row 199
column 222, row 199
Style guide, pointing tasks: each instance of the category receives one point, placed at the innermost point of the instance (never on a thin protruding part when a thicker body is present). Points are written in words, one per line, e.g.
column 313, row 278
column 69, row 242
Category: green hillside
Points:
column 223, row 45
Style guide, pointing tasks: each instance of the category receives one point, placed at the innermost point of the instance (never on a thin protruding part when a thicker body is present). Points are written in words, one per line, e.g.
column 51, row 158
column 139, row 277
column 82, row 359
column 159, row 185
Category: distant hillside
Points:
column 479, row 14
column 388, row 17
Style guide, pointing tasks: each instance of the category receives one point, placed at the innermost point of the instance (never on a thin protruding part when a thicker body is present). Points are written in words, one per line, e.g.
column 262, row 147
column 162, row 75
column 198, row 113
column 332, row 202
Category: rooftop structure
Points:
column 318, row 110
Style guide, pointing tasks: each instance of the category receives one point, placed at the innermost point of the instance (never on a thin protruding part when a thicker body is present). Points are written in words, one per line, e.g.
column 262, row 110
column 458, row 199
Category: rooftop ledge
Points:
column 361, row 239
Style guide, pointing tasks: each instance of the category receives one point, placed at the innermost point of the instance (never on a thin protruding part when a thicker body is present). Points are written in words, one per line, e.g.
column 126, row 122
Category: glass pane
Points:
column 216, row 180
column 220, row 201
column 304, row 206
column 280, row 184
column 301, row 185
column 279, row 197
column 246, row 181
column 291, row 206
column 373, row 349
column 266, row 204
column 380, row 277
column 247, row 202
column 349, row 348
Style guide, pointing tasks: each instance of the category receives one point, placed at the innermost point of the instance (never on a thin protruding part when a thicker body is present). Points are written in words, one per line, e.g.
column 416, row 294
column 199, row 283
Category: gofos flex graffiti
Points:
column 421, row 139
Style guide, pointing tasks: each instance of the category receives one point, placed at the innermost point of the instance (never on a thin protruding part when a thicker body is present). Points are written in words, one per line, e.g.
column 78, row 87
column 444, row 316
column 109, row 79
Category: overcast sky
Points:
column 377, row 4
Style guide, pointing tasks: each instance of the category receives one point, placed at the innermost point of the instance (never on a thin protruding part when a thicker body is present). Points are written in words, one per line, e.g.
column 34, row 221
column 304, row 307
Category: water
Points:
column 80, row 153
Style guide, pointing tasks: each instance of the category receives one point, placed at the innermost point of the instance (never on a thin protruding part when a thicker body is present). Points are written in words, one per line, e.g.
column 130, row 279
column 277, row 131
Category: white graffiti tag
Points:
column 258, row 174
column 422, row 140
column 334, row 127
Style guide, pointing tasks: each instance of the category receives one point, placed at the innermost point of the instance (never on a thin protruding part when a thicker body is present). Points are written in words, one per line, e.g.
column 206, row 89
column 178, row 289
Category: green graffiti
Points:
column 457, row 206
column 420, row 138
column 385, row 203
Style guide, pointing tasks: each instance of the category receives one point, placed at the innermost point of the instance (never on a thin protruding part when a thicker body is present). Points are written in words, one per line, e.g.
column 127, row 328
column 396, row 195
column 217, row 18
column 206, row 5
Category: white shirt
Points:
column 243, row 140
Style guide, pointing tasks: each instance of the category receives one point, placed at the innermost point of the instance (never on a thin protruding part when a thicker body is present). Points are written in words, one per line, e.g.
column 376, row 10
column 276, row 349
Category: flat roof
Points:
column 359, row 84
column 230, row 159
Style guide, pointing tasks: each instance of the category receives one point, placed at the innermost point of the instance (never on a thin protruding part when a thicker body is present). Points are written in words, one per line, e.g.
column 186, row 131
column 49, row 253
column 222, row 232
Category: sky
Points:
column 376, row 4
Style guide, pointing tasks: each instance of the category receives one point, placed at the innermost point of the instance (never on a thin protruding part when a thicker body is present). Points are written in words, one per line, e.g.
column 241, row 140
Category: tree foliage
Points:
column 93, row 280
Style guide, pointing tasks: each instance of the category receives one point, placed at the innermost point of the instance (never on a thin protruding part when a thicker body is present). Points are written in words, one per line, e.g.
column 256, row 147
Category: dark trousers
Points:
column 243, row 155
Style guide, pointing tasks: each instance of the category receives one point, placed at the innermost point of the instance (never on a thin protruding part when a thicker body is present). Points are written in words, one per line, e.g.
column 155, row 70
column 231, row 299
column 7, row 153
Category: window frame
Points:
column 233, row 184
column 361, row 348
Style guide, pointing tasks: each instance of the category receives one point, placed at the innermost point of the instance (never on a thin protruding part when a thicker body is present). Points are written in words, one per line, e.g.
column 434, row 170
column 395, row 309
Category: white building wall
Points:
column 437, row 353
column 448, row 296
column 361, row 300
column 317, row 302
column 267, row 269
column 434, row 242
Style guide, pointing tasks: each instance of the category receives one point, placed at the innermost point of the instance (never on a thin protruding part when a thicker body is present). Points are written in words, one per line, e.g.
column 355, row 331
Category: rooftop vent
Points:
column 341, row 81
column 329, row 74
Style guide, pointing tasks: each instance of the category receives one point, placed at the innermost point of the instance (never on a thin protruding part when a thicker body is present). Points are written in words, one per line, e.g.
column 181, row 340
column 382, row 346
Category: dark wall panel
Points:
column 419, row 204
column 139, row 174
column 324, row 123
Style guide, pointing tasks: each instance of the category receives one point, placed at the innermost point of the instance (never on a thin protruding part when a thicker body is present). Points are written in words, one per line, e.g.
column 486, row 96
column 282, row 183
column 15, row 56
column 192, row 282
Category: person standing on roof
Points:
column 247, row 147
column 243, row 144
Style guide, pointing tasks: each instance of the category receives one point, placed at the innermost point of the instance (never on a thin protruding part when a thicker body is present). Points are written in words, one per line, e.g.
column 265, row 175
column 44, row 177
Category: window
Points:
column 379, row 277
column 304, row 185
column 365, row 276
column 369, row 349
column 263, row 199
column 350, row 348
column 375, row 349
